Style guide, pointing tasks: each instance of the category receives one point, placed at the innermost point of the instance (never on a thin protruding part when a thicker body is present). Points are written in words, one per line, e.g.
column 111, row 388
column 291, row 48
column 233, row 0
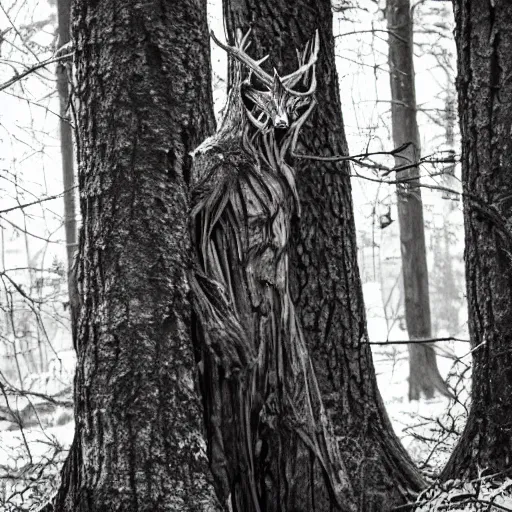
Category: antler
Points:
column 292, row 79
column 289, row 81
column 239, row 54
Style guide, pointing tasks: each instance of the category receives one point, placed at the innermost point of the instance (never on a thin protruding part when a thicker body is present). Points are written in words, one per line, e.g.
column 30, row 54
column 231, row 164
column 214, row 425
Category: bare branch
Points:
column 342, row 158
column 372, row 31
column 357, row 159
column 20, row 76
column 407, row 342
column 26, row 205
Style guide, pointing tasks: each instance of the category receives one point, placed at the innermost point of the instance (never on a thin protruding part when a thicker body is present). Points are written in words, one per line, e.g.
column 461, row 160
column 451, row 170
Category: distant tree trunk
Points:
column 484, row 41
column 145, row 103
column 326, row 288
column 66, row 145
column 424, row 376
column 448, row 300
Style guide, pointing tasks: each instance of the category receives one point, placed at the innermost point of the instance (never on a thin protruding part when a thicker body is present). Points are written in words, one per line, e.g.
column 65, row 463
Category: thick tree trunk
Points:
column 484, row 45
column 326, row 287
column 144, row 103
column 424, row 376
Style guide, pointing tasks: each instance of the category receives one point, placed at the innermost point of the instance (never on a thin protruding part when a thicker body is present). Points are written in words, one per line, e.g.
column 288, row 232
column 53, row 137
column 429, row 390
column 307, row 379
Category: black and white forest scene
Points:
column 255, row 255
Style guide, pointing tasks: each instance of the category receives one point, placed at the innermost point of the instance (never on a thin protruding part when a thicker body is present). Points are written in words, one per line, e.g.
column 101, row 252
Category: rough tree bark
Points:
column 270, row 444
column 144, row 104
column 424, row 376
column 326, row 287
column 484, row 46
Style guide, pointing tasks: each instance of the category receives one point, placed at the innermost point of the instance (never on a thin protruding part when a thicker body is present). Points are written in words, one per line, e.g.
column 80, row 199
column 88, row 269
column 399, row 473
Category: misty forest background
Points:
column 425, row 387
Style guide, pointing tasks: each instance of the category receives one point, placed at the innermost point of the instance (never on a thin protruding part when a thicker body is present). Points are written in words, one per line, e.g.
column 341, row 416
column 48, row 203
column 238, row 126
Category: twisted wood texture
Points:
column 269, row 439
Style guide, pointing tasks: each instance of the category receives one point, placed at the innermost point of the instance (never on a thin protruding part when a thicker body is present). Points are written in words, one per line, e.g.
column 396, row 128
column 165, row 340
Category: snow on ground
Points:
column 30, row 458
column 416, row 422
column 30, row 461
column 26, row 453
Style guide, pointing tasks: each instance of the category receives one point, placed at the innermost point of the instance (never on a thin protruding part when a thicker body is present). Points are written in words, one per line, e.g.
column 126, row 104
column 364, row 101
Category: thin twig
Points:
column 426, row 340
column 26, row 205
column 20, row 76
column 342, row 158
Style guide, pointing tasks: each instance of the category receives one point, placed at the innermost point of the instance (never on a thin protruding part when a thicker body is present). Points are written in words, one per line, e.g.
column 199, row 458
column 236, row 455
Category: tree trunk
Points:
column 144, row 104
column 66, row 145
column 424, row 376
column 484, row 44
column 326, row 288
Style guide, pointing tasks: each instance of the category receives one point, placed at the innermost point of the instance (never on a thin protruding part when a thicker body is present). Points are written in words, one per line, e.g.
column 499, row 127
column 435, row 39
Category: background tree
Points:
column 66, row 146
column 144, row 104
column 325, row 279
column 484, row 38
column 424, row 376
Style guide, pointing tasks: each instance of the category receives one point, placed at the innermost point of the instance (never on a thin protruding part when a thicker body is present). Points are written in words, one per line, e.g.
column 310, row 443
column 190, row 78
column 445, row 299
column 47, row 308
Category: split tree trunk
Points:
column 326, row 287
column 484, row 45
column 424, row 376
column 144, row 103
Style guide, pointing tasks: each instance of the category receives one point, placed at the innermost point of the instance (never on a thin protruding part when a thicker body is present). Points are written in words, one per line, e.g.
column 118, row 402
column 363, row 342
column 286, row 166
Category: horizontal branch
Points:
column 341, row 158
column 372, row 31
column 408, row 342
column 357, row 159
column 417, row 183
column 26, row 205
column 54, row 399
column 19, row 76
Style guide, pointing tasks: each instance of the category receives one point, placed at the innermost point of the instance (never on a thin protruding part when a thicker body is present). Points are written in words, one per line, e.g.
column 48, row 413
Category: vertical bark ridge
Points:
column 144, row 103
column 484, row 45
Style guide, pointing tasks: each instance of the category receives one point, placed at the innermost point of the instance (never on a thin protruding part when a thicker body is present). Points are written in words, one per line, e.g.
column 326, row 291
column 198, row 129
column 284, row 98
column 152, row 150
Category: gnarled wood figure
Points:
column 269, row 442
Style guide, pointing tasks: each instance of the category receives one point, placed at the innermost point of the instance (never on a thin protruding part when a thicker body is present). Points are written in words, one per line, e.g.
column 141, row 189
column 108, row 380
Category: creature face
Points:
column 276, row 107
column 274, row 102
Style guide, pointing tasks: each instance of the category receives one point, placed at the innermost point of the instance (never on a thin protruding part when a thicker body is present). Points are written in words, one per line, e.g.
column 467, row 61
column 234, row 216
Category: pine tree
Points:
column 144, row 103
column 484, row 38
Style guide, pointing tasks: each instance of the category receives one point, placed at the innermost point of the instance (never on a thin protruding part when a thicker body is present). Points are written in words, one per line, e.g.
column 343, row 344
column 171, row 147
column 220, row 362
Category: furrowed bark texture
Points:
column 484, row 46
column 144, row 103
column 326, row 288
column 424, row 376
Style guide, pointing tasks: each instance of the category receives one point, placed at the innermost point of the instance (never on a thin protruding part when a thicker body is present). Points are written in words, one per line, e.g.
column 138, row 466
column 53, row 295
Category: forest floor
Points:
column 30, row 456
column 427, row 428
